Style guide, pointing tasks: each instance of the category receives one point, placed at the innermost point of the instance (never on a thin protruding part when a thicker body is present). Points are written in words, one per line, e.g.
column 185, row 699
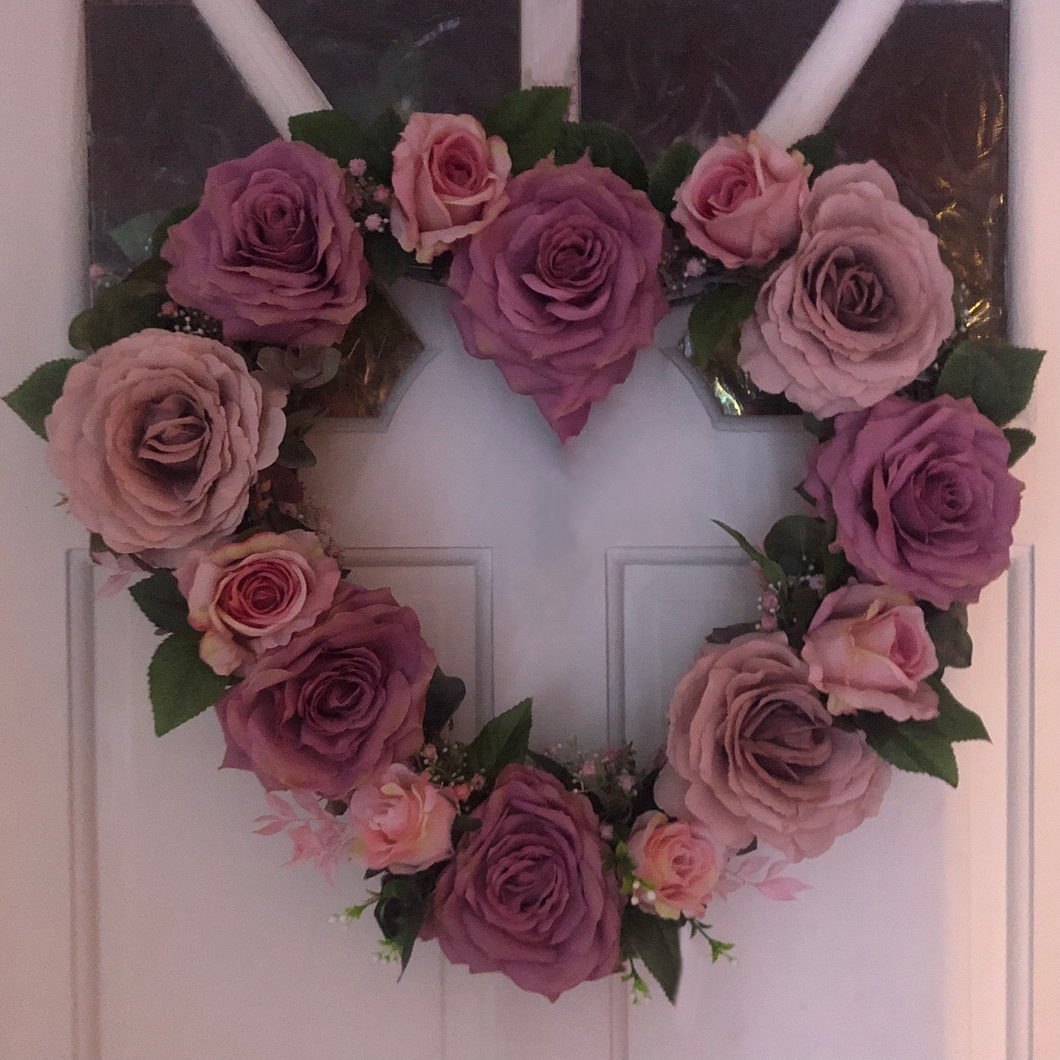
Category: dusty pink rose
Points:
column 860, row 309
column 753, row 752
column 677, row 861
column 921, row 494
column 741, row 203
column 158, row 438
column 527, row 894
column 449, row 180
column 402, row 822
column 868, row 649
column 250, row 596
column 561, row 289
column 272, row 250
column 338, row 704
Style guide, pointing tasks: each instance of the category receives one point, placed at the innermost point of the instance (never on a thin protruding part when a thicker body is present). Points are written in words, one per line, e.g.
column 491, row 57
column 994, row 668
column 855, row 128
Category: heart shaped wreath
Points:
column 179, row 436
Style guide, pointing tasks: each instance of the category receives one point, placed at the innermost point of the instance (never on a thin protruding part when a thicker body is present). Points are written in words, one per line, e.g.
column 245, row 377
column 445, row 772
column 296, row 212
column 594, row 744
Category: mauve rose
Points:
column 741, row 202
column 338, row 704
column 753, row 752
column 402, row 821
column 250, row 596
column 860, row 309
column 158, row 438
column 527, row 894
column 560, row 291
column 272, row 250
column 448, row 182
column 868, row 649
column 921, row 494
column 678, row 861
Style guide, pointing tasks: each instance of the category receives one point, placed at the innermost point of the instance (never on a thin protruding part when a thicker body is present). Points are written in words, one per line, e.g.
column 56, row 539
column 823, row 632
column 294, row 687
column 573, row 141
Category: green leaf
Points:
column 402, row 908
column 954, row 721
column 997, row 377
column 33, row 398
column 530, row 122
column 382, row 137
column 295, row 454
column 180, row 683
column 386, row 258
column 657, row 943
column 444, row 695
column 608, row 147
column 160, row 599
column 463, row 824
column 727, row 634
column 553, row 768
column 135, row 238
column 502, row 741
column 717, row 317
column 332, row 132
column 774, row 573
column 670, row 173
column 174, row 217
column 798, row 542
column 822, row 430
column 818, row 149
column 949, row 633
column 124, row 309
column 909, row 746
column 1019, row 441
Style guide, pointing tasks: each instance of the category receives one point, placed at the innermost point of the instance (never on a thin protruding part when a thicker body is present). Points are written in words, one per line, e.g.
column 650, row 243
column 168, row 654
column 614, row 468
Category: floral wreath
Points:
column 179, row 438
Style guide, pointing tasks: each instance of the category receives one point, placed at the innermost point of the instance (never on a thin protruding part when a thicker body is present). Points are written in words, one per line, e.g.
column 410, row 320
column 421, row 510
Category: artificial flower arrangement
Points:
column 179, row 437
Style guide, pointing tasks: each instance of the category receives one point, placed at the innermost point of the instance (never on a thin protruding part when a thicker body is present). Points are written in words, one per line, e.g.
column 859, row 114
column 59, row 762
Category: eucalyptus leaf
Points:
column 174, row 217
column 670, row 173
column 180, row 683
column 608, row 147
column 160, row 599
column 530, row 122
column 657, row 943
column 717, row 317
column 999, row 378
column 34, row 397
column 135, row 238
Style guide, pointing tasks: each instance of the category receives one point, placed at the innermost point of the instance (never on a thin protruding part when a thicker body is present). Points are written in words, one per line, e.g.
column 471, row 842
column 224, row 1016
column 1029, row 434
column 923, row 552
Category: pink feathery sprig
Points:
column 316, row 835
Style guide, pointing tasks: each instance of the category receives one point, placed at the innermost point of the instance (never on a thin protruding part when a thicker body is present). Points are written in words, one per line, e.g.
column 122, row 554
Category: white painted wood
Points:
column 828, row 69
column 263, row 59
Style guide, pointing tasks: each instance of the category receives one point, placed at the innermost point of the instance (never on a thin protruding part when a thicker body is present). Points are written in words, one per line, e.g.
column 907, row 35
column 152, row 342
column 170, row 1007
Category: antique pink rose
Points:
column 402, row 821
column 921, row 494
column 272, row 250
column 868, row 649
column 753, row 752
column 677, row 861
column 860, row 309
column 250, row 596
column 449, row 180
column 158, row 438
column 741, row 202
column 560, row 290
column 527, row 894
column 338, row 704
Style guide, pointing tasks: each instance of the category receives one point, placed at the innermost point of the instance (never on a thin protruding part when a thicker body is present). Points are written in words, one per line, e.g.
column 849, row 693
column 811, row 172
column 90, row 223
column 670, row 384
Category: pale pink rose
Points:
column 250, row 596
column 752, row 752
column 158, row 438
column 741, row 203
column 449, row 180
column 402, row 821
column 678, row 861
column 868, row 649
column 862, row 306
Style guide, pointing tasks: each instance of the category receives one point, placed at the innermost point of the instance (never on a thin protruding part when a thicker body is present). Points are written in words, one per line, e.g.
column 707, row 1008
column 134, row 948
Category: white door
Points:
column 582, row 576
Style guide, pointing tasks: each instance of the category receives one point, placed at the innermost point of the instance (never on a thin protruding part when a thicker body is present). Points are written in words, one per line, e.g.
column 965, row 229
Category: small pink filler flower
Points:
column 402, row 822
